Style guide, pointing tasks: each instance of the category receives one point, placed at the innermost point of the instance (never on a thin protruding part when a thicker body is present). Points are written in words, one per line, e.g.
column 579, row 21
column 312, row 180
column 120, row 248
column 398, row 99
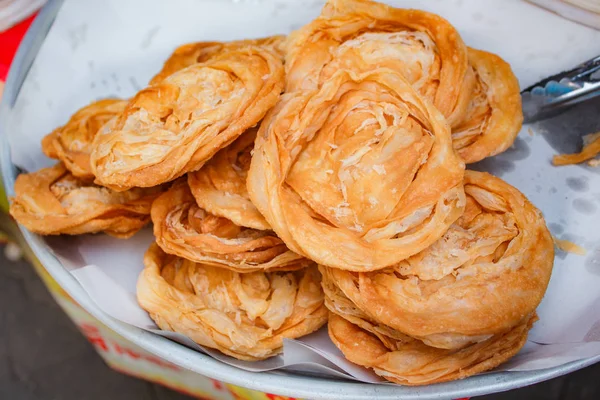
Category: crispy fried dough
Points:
column 72, row 142
column 246, row 316
column 52, row 201
column 178, row 124
column 412, row 363
column 494, row 116
column 199, row 52
column 486, row 274
column 358, row 174
column 219, row 187
column 183, row 228
column 363, row 36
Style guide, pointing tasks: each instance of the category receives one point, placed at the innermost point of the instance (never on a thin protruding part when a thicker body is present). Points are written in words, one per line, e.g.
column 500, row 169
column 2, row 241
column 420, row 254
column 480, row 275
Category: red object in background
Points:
column 9, row 42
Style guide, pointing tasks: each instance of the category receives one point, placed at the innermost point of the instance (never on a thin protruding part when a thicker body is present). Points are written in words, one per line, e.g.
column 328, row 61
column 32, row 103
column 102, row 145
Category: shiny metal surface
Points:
column 556, row 93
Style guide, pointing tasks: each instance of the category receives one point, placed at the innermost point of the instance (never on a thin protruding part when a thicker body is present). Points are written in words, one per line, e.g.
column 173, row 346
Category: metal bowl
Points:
column 282, row 383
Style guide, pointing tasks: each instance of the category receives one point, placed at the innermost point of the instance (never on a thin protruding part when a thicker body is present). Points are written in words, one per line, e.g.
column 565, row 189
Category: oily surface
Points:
column 358, row 174
column 246, row 316
column 410, row 362
column 487, row 272
column 52, row 201
column 365, row 35
column 176, row 125
column 494, row 115
column 219, row 187
column 183, row 228
column 72, row 143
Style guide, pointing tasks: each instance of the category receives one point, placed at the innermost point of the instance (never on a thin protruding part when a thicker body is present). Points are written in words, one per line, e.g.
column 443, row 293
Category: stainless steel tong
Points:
column 556, row 93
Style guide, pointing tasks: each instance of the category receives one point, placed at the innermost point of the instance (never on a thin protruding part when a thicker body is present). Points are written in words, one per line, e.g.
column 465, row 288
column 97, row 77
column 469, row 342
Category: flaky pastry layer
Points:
column 358, row 174
column 219, row 187
column 178, row 124
column 486, row 274
column 412, row 363
column 591, row 149
column 494, row 115
column 246, row 316
column 72, row 142
column 363, row 35
column 199, row 52
column 183, row 228
column 52, row 201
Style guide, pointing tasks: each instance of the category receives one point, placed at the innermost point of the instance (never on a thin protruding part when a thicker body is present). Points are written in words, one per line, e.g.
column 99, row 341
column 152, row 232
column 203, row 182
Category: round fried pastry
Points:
column 52, row 201
column 337, row 302
column 246, row 316
column 363, row 35
column 72, row 142
column 494, row 115
column 199, row 52
column 413, row 363
column 183, row 228
column 487, row 272
column 359, row 174
column 178, row 124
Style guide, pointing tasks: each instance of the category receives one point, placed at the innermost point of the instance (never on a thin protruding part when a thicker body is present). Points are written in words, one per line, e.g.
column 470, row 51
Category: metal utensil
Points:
column 556, row 93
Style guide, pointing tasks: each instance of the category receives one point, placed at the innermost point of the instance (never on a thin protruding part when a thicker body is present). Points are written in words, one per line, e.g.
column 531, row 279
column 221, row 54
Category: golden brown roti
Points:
column 494, row 115
column 358, row 174
column 219, row 187
column 52, row 201
column 488, row 272
column 246, row 316
column 72, row 143
column 363, row 36
column 183, row 228
column 412, row 363
column 178, row 124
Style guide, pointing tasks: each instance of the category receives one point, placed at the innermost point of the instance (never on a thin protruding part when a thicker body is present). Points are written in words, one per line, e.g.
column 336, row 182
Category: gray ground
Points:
column 36, row 363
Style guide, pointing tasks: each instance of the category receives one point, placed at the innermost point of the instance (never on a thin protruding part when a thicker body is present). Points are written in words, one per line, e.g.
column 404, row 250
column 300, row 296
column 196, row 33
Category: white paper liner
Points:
column 97, row 50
